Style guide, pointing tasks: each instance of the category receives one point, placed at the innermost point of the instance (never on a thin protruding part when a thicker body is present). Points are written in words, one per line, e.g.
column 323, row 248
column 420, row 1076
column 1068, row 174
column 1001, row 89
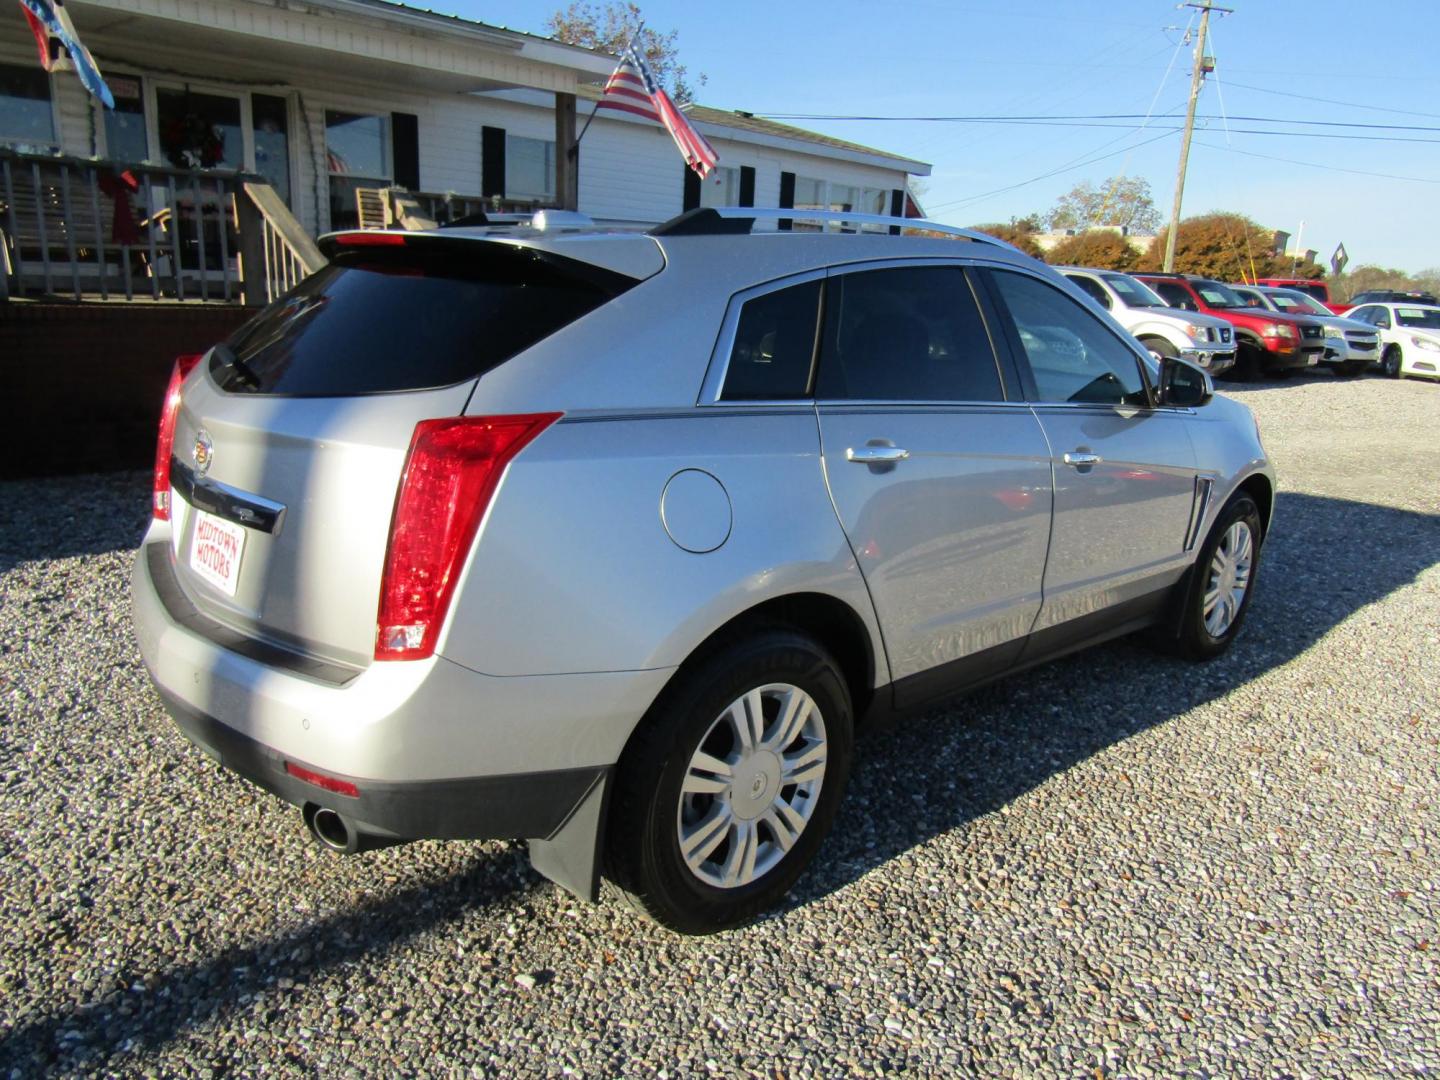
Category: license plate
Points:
column 215, row 551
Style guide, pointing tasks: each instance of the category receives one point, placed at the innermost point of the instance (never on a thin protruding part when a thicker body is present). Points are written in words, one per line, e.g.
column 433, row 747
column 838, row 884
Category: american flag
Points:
column 633, row 89
column 60, row 47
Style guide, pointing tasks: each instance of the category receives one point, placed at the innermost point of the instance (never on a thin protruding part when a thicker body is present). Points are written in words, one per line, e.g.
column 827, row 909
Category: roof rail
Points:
column 729, row 220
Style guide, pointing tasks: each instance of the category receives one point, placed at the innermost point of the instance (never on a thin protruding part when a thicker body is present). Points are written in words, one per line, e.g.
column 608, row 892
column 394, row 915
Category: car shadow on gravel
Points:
column 148, row 1011
column 62, row 516
column 933, row 773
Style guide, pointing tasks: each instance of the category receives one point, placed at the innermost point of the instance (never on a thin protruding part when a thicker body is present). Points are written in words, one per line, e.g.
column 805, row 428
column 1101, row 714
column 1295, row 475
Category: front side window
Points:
column 906, row 334
column 1072, row 355
column 774, row 349
column 1175, row 295
column 1250, row 297
column 1364, row 314
column 1093, row 287
column 529, row 167
column 25, row 113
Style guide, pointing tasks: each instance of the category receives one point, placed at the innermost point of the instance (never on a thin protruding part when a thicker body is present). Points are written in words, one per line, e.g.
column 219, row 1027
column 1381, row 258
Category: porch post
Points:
column 567, row 154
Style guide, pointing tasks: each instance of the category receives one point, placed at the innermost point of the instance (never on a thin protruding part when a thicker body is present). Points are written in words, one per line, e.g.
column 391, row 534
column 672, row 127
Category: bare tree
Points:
column 612, row 27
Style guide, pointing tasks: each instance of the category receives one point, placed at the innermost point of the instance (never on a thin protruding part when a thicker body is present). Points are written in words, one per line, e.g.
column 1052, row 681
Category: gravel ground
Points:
column 1114, row 865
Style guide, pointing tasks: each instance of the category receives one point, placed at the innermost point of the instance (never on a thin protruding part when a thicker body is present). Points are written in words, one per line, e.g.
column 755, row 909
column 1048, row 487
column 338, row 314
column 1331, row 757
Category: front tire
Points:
column 1222, row 582
column 1391, row 361
column 731, row 782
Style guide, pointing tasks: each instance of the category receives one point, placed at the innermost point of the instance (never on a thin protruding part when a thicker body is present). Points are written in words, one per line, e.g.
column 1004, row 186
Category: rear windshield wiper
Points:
column 226, row 356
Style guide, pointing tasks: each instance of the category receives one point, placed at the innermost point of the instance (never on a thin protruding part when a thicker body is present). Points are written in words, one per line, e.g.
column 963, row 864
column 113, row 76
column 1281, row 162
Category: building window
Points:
column 271, row 117
column 125, row 138
column 200, row 131
column 25, row 113
column 721, row 187
column 529, row 168
column 813, row 194
column 356, row 155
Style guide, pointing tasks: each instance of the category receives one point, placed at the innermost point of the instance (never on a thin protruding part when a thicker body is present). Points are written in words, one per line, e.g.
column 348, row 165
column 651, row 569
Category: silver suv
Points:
column 610, row 541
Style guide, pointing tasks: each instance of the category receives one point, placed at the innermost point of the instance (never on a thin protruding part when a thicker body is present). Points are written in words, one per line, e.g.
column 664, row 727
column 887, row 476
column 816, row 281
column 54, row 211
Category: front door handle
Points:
column 1081, row 460
column 876, row 455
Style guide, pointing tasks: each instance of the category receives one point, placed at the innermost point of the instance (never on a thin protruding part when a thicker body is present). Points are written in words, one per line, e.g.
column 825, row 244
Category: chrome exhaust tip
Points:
column 335, row 832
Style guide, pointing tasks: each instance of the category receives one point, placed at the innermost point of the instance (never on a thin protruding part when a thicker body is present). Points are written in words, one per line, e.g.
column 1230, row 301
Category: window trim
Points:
column 1012, row 383
column 714, row 383
column 1008, row 385
column 1021, row 360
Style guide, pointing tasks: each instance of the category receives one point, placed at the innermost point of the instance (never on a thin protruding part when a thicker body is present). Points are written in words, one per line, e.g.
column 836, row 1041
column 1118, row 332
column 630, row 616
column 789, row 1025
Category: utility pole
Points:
column 1197, row 76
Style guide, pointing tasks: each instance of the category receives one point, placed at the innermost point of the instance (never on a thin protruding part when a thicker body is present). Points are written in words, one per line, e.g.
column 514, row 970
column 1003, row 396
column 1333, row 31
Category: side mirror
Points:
column 1183, row 385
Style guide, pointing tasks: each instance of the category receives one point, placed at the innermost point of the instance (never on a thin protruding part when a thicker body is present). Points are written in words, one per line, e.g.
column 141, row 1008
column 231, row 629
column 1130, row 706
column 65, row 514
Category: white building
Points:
column 323, row 96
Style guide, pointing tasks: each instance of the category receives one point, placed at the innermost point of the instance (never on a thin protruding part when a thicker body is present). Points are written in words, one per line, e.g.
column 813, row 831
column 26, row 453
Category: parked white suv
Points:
column 1165, row 331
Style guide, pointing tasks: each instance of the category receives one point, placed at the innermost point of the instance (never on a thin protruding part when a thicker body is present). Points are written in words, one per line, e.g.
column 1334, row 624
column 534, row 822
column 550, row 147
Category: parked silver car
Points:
column 1351, row 345
column 610, row 541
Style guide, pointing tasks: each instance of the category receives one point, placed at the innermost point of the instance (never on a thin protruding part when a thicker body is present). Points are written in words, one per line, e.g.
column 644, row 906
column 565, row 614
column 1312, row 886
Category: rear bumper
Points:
column 531, row 805
column 434, row 749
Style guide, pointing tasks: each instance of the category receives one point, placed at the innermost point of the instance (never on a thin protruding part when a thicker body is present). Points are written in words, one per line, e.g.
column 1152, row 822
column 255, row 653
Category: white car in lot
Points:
column 1202, row 339
column 1409, row 337
column 1351, row 346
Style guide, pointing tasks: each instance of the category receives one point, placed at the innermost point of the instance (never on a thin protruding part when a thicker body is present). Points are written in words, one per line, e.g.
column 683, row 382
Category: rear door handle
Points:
column 871, row 455
column 1080, row 460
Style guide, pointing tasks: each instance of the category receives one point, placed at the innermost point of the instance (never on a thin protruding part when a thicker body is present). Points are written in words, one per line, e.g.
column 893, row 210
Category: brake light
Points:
column 166, row 438
column 370, row 239
column 451, row 472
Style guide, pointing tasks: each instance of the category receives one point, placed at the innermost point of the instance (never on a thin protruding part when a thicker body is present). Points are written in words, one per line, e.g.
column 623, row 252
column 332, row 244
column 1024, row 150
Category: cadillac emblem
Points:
column 203, row 452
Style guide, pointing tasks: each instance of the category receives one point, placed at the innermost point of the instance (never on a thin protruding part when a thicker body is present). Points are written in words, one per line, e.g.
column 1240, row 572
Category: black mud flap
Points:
column 570, row 857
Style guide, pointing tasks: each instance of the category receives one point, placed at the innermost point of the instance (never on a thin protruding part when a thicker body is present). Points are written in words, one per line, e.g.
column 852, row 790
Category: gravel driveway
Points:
column 1118, row 864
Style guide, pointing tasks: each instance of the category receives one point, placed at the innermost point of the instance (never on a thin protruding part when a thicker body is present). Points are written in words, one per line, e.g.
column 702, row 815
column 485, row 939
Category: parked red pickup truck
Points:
column 1267, row 342
column 1318, row 289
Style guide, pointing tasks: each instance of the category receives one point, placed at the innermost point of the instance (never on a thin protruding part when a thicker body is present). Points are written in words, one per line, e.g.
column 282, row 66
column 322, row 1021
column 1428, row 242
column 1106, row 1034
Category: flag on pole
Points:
column 1339, row 259
column 60, row 46
column 632, row 89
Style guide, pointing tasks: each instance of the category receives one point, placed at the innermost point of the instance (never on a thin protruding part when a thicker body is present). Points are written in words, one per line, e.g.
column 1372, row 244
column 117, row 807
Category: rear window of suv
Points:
column 408, row 318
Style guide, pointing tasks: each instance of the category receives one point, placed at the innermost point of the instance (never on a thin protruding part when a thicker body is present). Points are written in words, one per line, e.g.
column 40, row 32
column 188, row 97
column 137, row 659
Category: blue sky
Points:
column 999, row 58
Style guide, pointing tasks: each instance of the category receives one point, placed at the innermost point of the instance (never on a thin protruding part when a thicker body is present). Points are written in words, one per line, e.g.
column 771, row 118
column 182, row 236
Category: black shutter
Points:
column 787, row 197
column 692, row 189
column 747, row 185
column 492, row 161
column 405, row 144
column 897, row 208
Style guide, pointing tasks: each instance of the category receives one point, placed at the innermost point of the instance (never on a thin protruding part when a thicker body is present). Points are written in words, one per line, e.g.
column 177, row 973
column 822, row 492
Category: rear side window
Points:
column 408, row 319
column 906, row 334
column 774, row 347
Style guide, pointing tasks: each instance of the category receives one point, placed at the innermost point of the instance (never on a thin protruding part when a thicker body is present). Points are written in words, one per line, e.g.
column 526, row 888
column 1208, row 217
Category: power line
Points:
column 1068, row 167
column 1322, row 165
column 1060, row 117
column 1332, row 101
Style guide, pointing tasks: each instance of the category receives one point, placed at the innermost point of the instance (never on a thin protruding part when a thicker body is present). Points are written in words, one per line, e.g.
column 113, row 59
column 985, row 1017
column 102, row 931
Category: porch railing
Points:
column 81, row 229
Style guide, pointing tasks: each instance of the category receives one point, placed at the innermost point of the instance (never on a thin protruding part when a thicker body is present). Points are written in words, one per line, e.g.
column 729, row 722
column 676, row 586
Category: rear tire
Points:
column 1222, row 582
column 730, row 784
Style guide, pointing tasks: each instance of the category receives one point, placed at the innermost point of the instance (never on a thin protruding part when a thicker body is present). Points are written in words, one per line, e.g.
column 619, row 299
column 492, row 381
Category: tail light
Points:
column 450, row 475
column 165, row 441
